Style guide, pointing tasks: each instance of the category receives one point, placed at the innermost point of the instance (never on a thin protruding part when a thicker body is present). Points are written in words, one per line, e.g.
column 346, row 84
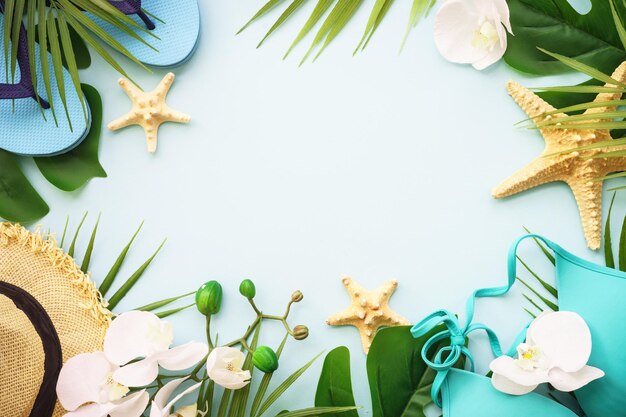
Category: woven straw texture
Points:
column 70, row 298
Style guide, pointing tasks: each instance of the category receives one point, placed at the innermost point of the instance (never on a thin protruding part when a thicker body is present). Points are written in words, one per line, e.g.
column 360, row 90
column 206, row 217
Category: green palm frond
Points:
column 51, row 25
column 332, row 16
column 155, row 306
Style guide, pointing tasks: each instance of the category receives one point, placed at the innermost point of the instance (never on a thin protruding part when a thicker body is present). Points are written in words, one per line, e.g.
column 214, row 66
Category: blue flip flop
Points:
column 27, row 125
column 176, row 25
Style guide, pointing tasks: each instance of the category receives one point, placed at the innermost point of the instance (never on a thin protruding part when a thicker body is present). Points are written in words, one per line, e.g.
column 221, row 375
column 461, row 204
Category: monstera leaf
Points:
column 335, row 385
column 554, row 25
column 73, row 169
column 400, row 381
column 20, row 202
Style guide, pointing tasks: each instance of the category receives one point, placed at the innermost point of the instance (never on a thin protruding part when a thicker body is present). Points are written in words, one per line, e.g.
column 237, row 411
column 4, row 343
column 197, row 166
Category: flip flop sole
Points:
column 178, row 33
column 25, row 129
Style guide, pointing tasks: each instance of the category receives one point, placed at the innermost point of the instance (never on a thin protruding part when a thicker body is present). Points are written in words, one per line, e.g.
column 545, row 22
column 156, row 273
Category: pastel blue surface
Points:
column 470, row 395
column 177, row 30
column 25, row 130
column 378, row 166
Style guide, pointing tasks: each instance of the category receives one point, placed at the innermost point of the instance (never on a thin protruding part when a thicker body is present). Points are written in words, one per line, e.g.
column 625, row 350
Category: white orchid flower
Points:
column 557, row 348
column 161, row 405
column 86, row 389
column 472, row 31
column 141, row 334
column 224, row 367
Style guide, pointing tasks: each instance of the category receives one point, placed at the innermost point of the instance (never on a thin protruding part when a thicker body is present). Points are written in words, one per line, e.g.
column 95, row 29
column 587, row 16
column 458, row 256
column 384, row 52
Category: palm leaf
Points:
column 419, row 9
column 115, row 269
column 133, row 279
column 621, row 31
column 608, row 245
column 70, row 59
column 317, row 411
column 57, row 61
column 43, row 54
column 585, row 69
column 547, row 302
column 341, row 12
column 87, row 258
column 15, row 34
column 320, row 9
column 72, row 248
column 376, row 16
column 284, row 385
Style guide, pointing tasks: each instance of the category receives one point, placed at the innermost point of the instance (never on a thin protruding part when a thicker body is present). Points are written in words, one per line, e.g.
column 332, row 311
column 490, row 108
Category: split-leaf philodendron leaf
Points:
column 19, row 201
column 556, row 26
column 334, row 388
column 73, row 169
column 400, row 381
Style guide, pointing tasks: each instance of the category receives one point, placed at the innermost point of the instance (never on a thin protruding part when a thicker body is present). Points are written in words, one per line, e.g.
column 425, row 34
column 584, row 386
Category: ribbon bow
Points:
column 448, row 356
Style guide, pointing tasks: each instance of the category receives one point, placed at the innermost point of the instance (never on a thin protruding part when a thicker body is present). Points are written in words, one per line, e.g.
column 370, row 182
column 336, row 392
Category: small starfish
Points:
column 369, row 310
column 149, row 110
column 581, row 173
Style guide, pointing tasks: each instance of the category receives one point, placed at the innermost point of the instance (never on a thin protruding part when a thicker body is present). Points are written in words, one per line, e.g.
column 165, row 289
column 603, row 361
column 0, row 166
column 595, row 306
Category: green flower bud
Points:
column 297, row 296
column 209, row 298
column 265, row 359
column 300, row 332
column 247, row 289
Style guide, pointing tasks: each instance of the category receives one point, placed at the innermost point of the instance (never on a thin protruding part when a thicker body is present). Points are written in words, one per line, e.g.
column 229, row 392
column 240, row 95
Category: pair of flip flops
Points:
column 25, row 130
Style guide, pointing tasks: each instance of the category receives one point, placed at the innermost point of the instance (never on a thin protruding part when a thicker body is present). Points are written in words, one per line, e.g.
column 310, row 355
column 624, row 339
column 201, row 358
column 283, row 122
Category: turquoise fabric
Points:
column 598, row 294
column 595, row 292
column 466, row 394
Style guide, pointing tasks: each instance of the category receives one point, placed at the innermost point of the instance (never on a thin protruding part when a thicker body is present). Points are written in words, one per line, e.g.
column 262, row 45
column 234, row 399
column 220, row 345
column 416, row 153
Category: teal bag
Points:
column 595, row 292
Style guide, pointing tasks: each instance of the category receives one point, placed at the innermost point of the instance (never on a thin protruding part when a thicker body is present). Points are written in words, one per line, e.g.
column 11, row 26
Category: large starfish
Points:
column 149, row 110
column 369, row 310
column 581, row 173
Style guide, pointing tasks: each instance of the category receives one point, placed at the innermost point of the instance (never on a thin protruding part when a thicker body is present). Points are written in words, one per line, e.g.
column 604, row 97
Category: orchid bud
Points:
column 297, row 296
column 209, row 298
column 300, row 332
column 247, row 289
column 265, row 359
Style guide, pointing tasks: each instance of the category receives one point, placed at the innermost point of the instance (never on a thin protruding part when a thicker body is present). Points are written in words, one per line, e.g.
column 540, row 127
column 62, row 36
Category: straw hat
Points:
column 50, row 311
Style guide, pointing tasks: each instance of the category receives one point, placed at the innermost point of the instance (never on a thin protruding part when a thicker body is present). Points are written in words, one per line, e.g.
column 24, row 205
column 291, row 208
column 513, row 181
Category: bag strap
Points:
column 447, row 356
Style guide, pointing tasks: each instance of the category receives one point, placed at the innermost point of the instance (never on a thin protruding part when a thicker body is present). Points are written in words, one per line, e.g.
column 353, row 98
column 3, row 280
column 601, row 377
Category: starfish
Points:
column 577, row 169
column 369, row 310
column 149, row 110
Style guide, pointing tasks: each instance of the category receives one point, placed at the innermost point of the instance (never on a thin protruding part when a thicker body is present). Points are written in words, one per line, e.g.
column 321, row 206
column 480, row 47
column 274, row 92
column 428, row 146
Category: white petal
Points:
column 181, row 395
column 564, row 339
column 571, row 381
column 91, row 410
column 491, row 57
column 132, row 406
column 183, row 356
column 156, row 411
column 229, row 379
column 506, row 366
column 504, row 384
column 505, row 16
column 136, row 334
column 80, row 379
column 220, row 356
column 163, row 396
column 137, row 374
column 454, row 28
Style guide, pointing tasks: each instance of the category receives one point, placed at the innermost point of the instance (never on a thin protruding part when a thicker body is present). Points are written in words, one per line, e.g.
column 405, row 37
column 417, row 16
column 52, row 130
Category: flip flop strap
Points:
column 446, row 357
column 133, row 7
column 25, row 88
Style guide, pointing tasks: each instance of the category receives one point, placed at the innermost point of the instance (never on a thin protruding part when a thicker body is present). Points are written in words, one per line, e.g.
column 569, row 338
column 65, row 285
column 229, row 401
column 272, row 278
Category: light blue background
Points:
column 377, row 166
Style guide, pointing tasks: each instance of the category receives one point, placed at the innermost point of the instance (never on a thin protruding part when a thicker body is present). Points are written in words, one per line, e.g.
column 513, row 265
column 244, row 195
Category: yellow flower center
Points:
column 528, row 357
column 114, row 389
column 485, row 36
